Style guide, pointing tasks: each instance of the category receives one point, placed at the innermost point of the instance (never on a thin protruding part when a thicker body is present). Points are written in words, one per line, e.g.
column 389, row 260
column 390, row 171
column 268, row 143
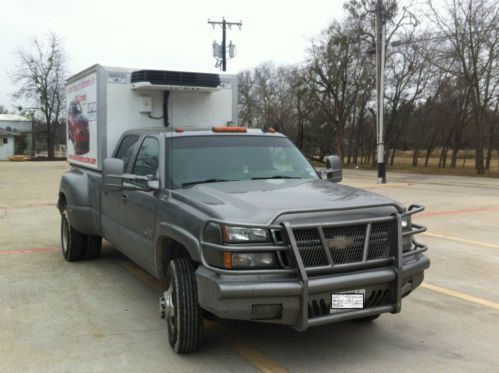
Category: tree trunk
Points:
column 301, row 134
column 491, row 146
column 301, row 130
column 392, row 158
column 443, row 158
column 350, row 146
column 479, row 161
column 455, row 150
column 50, row 141
column 429, row 149
column 488, row 158
column 415, row 157
column 479, row 164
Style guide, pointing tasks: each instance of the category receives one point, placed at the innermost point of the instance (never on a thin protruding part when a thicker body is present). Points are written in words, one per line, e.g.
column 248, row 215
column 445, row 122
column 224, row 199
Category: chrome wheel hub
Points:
column 167, row 307
column 65, row 234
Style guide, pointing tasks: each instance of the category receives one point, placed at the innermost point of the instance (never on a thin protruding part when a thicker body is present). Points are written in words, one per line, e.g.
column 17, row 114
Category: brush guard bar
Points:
column 395, row 260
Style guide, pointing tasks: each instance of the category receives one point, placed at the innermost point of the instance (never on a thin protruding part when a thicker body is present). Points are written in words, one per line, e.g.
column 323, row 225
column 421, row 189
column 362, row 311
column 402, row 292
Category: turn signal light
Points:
column 227, row 259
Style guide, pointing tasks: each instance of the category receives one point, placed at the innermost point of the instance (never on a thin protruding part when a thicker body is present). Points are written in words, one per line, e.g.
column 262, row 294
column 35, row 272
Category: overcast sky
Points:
column 162, row 34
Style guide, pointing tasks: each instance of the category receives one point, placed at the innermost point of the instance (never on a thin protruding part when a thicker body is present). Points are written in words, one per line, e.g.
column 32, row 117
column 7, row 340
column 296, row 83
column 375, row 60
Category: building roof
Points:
column 14, row 118
column 6, row 133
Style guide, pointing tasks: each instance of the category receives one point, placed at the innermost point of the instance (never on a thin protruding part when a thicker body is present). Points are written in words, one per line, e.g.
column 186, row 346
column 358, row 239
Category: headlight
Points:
column 406, row 240
column 406, row 222
column 243, row 234
column 249, row 260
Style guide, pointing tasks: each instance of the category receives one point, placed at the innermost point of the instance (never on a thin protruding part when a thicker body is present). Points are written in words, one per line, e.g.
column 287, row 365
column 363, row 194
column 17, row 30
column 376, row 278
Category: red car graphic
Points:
column 78, row 131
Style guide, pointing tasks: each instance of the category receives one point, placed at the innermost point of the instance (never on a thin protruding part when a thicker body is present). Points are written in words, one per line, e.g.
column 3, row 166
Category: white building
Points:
column 16, row 135
column 7, row 140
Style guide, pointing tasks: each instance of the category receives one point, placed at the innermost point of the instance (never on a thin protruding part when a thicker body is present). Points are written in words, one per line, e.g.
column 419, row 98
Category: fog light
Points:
column 266, row 311
column 406, row 288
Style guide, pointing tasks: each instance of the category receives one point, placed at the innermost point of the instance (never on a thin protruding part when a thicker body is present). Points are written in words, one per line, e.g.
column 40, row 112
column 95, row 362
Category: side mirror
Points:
column 153, row 185
column 334, row 171
column 112, row 174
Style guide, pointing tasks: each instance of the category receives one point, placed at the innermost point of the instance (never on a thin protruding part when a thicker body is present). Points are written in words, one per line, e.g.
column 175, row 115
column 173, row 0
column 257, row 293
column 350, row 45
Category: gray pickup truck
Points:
column 241, row 226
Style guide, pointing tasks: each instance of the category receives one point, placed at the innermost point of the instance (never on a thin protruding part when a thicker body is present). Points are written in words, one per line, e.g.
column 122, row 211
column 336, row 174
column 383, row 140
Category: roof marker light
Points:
column 269, row 129
column 229, row 129
column 179, row 130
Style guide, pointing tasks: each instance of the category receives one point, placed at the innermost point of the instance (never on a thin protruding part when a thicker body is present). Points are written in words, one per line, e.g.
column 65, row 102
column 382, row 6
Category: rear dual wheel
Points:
column 76, row 245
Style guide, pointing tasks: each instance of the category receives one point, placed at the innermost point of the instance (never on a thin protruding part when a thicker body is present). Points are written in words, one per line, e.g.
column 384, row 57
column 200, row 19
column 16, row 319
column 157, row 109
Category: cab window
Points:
column 125, row 150
column 147, row 161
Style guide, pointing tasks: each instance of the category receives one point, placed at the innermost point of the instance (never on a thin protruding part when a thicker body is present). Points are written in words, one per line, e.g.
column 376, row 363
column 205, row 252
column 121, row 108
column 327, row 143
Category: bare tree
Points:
column 442, row 86
column 470, row 36
column 40, row 74
column 3, row 110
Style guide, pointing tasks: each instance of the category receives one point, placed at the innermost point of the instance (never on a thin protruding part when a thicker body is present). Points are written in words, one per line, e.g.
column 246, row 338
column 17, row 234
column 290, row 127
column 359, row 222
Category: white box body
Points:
column 103, row 102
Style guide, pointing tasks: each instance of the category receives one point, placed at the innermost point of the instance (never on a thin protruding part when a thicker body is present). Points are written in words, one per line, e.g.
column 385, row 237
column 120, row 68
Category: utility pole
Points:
column 223, row 52
column 380, row 88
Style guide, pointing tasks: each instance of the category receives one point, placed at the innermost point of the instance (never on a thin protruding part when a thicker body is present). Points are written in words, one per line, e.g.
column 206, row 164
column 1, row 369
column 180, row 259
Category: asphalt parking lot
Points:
column 102, row 315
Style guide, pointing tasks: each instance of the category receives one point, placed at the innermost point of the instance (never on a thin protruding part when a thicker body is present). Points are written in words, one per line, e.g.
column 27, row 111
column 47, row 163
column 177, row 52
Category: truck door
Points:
column 139, row 208
column 111, row 201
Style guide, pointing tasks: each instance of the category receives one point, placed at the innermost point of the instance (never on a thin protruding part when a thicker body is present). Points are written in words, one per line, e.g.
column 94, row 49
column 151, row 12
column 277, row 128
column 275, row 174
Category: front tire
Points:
column 183, row 314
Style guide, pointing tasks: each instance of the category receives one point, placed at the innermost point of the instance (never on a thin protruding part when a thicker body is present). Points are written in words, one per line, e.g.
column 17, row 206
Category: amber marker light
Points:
column 229, row 129
column 227, row 259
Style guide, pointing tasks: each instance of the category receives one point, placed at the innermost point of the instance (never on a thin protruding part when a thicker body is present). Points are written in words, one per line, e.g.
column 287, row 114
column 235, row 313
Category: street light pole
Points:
column 380, row 88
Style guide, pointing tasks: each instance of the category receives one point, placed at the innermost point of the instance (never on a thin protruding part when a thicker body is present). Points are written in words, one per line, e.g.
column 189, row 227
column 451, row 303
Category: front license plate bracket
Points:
column 348, row 300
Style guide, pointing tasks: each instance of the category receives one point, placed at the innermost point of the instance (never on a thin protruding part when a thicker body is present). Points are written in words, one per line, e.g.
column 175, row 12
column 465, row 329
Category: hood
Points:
column 259, row 201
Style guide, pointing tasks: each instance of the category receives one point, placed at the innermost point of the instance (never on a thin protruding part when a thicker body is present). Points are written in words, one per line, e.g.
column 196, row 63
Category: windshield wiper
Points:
column 276, row 177
column 205, row 181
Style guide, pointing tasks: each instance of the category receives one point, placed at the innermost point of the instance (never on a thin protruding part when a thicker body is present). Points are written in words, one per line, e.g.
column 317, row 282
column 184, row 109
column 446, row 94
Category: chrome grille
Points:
column 345, row 244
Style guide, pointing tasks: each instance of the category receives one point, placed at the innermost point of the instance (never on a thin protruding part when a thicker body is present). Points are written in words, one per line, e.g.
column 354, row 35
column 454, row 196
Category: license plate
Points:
column 348, row 300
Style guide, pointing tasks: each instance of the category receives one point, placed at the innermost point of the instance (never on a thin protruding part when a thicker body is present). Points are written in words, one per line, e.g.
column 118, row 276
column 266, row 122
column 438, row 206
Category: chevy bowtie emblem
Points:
column 340, row 242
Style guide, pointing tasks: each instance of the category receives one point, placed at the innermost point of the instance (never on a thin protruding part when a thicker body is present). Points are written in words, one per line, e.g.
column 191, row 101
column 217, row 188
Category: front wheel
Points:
column 182, row 312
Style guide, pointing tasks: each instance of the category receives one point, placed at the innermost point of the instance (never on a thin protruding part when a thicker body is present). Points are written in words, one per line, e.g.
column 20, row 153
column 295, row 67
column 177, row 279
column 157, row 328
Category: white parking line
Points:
column 460, row 295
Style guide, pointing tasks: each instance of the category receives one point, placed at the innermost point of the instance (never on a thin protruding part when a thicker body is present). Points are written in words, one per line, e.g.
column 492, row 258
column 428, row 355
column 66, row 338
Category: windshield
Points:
column 205, row 159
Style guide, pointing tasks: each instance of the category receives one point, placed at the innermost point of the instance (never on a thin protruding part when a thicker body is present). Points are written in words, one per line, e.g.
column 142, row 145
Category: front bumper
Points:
column 301, row 296
column 249, row 297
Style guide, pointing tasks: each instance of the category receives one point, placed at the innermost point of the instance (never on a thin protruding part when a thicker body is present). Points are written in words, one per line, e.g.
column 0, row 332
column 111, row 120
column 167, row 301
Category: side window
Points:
column 125, row 149
column 147, row 162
